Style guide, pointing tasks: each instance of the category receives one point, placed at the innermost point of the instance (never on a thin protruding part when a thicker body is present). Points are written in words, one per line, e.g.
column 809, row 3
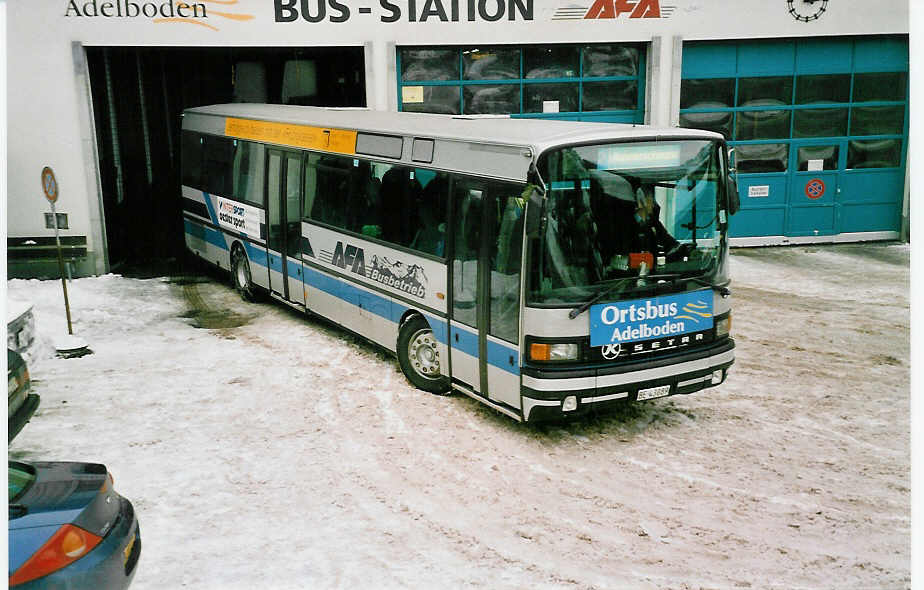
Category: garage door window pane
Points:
column 758, row 92
column 833, row 88
column 827, row 153
column 494, row 99
column 880, row 86
column 820, row 123
column 763, row 124
column 718, row 122
column 551, row 62
column 436, row 99
column 429, row 64
column 877, row 120
column 764, row 157
column 610, row 96
column 709, row 93
column 879, row 153
column 565, row 94
column 491, row 64
column 610, row 60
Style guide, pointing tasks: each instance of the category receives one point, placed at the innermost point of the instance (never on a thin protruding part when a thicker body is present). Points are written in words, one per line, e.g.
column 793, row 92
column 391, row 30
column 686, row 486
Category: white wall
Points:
column 48, row 114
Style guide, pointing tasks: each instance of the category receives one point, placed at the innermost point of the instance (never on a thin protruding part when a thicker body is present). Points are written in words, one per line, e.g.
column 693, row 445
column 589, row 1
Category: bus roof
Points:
column 539, row 134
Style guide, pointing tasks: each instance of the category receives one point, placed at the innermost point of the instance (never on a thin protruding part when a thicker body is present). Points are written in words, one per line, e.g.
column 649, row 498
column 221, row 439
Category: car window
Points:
column 20, row 478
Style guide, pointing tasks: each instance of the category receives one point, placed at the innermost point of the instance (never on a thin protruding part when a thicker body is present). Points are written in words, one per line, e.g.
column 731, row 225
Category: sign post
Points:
column 50, row 187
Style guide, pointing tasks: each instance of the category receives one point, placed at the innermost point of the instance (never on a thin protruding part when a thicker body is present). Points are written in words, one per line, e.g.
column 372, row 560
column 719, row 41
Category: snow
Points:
column 265, row 449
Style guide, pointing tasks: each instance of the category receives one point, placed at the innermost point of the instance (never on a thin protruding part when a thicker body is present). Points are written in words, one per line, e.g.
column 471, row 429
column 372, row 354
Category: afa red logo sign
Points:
column 630, row 8
column 621, row 9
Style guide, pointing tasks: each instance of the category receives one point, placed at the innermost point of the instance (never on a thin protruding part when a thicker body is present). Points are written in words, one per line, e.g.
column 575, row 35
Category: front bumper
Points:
column 544, row 391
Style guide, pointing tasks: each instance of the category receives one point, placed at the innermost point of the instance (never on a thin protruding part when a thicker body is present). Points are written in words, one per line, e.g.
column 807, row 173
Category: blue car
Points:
column 68, row 528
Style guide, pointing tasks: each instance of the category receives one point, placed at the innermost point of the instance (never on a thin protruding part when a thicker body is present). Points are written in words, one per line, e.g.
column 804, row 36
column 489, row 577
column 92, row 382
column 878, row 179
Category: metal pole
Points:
column 67, row 305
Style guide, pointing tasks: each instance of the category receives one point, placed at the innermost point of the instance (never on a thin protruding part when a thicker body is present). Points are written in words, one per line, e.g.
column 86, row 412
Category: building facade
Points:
column 812, row 95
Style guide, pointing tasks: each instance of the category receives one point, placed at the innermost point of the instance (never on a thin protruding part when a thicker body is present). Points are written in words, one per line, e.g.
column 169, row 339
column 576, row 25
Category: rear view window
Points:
column 21, row 477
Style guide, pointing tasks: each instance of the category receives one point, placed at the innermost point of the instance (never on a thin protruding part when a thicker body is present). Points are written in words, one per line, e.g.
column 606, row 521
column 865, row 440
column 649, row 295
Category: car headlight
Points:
column 554, row 352
column 723, row 326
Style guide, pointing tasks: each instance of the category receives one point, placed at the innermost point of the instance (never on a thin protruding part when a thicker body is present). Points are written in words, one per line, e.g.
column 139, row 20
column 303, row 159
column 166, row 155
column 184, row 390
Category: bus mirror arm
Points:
column 734, row 200
column 535, row 203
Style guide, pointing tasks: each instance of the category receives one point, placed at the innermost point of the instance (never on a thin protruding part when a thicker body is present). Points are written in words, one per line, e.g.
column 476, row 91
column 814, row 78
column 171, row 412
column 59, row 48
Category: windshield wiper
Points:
column 605, row 292
column 721, row 289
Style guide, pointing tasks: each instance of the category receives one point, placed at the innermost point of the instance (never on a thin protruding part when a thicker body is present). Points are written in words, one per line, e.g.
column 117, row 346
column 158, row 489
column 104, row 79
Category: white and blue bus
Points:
column 544, row 268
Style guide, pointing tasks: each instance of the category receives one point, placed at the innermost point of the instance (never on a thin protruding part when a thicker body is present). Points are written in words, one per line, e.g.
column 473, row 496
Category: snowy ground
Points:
column 264, row 450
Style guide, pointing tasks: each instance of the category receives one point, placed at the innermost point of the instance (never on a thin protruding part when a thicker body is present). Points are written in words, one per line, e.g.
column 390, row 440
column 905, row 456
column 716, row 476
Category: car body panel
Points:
column 21, row 403
column 79, row 494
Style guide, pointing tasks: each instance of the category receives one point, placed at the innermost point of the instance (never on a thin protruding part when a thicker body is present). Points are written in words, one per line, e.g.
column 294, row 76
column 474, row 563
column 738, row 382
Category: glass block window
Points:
column 762, row 109
column 606, row 81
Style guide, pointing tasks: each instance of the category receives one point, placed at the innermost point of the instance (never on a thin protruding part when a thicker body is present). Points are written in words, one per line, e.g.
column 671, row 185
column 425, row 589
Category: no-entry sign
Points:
column 815, row 188
column 49, row 184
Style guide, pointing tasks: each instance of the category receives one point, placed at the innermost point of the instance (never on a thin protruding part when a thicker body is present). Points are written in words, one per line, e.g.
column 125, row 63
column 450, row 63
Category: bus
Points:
column 544, row 268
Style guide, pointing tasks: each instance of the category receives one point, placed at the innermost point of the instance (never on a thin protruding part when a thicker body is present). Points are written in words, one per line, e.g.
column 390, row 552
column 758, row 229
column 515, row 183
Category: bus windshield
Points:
column 622, row 210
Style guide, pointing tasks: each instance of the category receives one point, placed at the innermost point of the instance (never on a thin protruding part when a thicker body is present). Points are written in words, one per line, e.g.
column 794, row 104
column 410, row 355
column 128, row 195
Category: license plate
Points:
column 653, row 392
column 128, row 550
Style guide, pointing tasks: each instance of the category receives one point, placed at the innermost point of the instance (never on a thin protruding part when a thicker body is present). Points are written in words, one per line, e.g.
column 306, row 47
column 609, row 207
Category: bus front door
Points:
column 485, row 290
column 284, row 231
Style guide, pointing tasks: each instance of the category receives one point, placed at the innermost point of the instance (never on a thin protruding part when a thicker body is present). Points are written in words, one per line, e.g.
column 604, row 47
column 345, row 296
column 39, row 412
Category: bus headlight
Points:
column 554, row 352
column 723, row 326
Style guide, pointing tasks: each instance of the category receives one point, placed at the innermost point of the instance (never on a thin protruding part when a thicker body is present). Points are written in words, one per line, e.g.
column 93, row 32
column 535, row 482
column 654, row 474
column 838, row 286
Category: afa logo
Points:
column 613, row 9
column 409, row 279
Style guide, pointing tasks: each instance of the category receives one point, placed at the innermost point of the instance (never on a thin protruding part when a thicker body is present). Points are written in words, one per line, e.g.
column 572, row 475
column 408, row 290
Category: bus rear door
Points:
column 284, row 230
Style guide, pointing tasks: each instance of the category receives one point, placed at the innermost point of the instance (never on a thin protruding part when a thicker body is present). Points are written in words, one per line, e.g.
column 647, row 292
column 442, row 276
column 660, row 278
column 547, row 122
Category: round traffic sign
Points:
column 49, row 184
column 815, row 188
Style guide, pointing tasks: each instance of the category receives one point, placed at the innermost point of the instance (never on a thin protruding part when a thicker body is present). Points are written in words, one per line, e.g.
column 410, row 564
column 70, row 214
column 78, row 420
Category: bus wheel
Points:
column 240, row 274
column 419, row 356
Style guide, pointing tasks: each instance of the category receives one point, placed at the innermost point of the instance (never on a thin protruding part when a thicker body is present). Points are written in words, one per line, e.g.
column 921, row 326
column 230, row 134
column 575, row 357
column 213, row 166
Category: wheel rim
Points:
column 242, row 278
column 423, row 354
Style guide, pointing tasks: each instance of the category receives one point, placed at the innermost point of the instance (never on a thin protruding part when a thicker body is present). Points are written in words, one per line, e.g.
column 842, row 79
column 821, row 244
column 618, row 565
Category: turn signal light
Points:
column 543, row 351
column 65, row 547
column 723, row 326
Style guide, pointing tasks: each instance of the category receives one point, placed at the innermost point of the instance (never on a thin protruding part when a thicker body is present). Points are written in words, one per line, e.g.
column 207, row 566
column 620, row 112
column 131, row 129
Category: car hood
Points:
column 60, row 492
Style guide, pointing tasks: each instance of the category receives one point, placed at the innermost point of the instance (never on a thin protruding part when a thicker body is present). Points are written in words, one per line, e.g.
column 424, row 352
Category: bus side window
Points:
column 430, row 229
column 192, row 149
column 398, row 196
column 330, row 203
column 363, row 198
column 248, row 173
column 311, row 184
column 219, row 158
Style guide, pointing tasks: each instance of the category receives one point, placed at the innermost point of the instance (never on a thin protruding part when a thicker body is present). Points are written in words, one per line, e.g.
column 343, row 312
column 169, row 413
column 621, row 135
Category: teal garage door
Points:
column 819, row 129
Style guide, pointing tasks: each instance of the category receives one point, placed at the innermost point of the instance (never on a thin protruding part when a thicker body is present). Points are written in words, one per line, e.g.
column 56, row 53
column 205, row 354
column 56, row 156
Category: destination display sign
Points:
column 645, row 319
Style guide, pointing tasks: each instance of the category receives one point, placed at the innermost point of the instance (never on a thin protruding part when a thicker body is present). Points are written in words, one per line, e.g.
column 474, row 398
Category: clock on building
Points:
column 806, row 10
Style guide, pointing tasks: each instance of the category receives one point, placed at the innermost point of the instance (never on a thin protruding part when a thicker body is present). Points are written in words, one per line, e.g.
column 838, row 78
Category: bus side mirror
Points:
column 535, row 210
column 734, row 201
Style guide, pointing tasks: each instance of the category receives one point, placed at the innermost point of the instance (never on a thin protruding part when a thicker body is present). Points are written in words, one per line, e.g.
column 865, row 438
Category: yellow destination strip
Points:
column 340, row 141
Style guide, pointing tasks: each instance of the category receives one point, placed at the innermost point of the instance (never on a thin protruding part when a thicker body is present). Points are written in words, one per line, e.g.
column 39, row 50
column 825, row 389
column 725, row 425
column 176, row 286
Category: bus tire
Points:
column 240, row 274
column 419, row 357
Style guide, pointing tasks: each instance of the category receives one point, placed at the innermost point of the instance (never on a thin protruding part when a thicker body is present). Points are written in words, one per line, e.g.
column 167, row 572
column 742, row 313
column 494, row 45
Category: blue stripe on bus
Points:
column 208, row 205
column 256, row 254
column 204, row 232
column 498, row 354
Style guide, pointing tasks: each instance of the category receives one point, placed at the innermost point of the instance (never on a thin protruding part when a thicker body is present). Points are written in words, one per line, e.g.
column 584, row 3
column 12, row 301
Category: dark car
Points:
column 68, row 528
column 22, row 403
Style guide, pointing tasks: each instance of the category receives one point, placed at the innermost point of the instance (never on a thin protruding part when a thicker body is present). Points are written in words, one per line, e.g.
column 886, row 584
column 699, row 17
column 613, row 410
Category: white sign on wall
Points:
column 759, row 190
